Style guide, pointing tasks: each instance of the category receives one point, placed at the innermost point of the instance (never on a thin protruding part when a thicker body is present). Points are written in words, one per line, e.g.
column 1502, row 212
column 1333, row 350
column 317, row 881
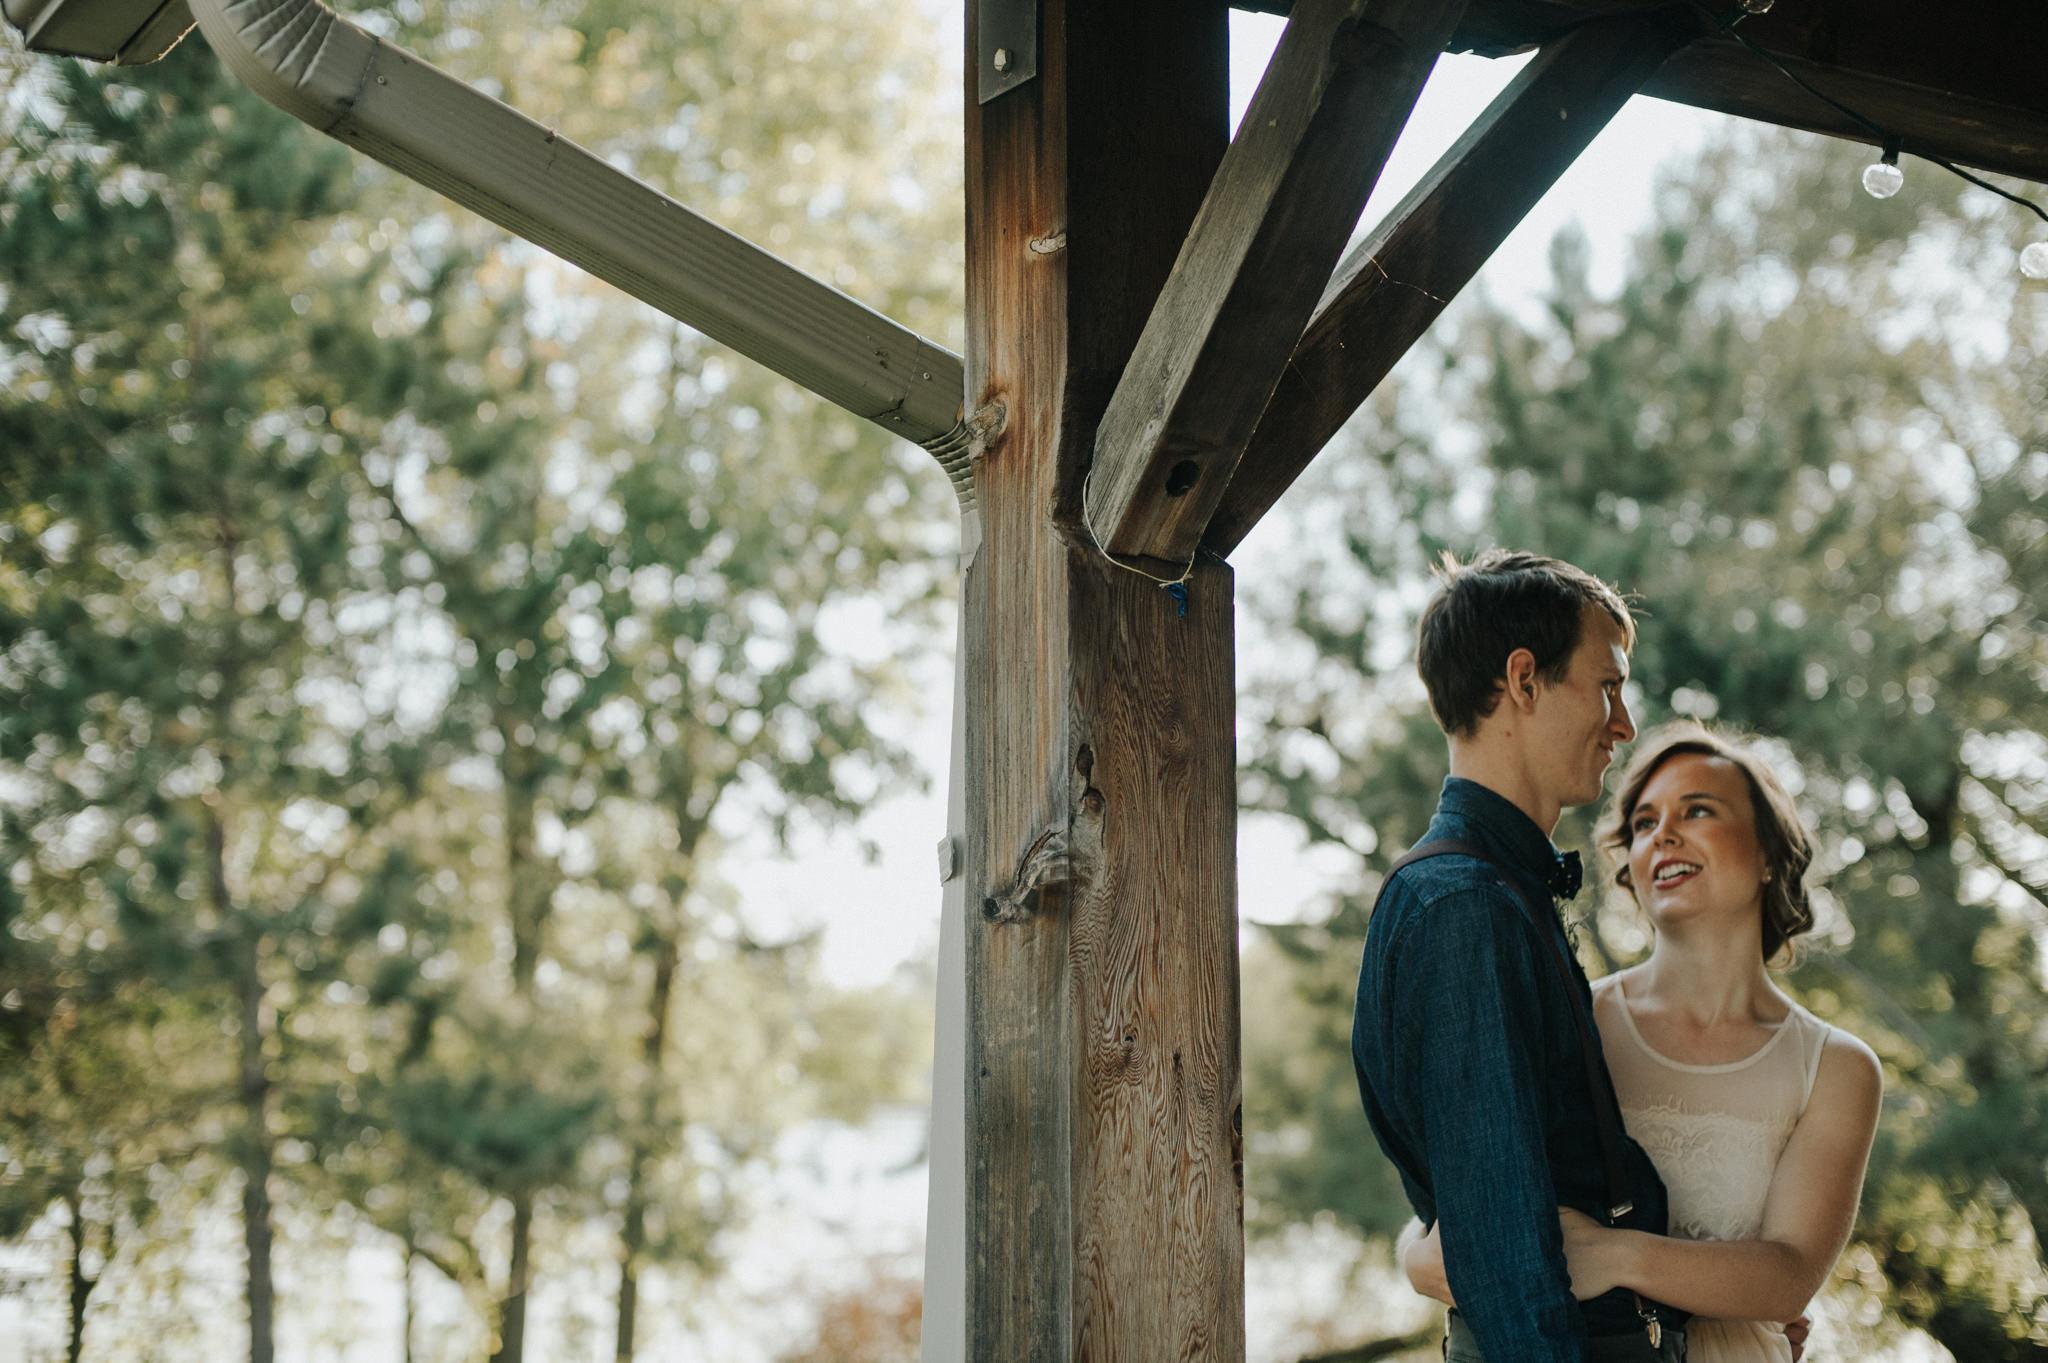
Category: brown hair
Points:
column 1484, row 610
column 1781, row 835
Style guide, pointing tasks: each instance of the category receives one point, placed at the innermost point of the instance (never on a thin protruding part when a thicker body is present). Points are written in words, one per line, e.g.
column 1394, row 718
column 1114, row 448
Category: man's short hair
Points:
column 1484, row 610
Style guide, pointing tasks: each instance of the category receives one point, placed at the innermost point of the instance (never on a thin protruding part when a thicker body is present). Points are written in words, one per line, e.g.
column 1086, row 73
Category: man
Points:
column 1470, row 1061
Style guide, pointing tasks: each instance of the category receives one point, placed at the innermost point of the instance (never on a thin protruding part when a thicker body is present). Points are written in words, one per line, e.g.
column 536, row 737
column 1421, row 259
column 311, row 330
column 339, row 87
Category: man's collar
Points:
column 1514, row 833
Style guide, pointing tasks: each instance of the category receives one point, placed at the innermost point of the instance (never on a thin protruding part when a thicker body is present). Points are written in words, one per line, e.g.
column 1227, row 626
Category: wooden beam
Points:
column 1285, row 200
column 1933, row 121
column 1103, row 1213
column 1963, row 82
column 1393, row 284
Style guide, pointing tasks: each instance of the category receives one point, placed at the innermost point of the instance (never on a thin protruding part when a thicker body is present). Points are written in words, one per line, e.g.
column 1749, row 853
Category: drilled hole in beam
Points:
column 1182, row 476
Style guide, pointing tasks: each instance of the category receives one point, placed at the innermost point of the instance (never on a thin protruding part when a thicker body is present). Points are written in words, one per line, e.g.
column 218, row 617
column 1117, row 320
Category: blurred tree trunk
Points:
column 253, row 1152
column 667, row 951
column 512, row 1309
column 82, row 1283
column 530, row 884
column 405, row 1306
column 256, row 1163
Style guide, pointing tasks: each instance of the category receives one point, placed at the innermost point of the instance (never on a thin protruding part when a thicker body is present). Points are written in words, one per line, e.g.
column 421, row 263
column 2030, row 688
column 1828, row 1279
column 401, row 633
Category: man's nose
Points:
column 1622, row 721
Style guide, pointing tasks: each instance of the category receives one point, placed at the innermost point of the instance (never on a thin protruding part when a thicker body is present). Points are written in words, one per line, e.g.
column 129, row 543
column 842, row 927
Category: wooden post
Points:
column 1104, row 1208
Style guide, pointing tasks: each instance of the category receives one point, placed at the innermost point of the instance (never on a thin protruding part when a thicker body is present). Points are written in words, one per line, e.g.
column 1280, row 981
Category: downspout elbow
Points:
column 297, row 54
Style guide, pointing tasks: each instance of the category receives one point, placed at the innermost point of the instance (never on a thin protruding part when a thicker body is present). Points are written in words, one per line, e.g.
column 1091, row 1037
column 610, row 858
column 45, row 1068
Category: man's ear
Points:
column 1518, row 687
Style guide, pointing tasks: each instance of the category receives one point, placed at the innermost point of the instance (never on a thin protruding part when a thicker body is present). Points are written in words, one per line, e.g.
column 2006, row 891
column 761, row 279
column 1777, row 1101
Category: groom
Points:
column 1469, row 1056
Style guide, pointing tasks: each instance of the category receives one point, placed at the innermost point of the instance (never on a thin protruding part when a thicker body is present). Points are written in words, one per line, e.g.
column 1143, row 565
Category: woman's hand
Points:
column 1422, row 1259
column 1592, row 1252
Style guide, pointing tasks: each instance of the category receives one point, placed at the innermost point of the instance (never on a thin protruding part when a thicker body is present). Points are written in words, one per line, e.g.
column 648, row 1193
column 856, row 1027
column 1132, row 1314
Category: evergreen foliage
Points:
column 397, row 630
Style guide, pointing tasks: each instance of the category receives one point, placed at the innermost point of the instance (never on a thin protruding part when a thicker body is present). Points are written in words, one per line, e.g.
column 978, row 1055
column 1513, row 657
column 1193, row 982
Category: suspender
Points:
column 1606, row 1107
column 1605, row 1117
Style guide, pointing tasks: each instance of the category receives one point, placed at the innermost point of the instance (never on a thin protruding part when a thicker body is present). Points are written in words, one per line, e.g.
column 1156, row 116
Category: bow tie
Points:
column 1566, row 876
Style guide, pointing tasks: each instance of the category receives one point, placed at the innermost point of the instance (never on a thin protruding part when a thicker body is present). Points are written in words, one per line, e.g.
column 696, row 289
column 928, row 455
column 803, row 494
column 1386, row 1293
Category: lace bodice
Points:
column 1715, row 1133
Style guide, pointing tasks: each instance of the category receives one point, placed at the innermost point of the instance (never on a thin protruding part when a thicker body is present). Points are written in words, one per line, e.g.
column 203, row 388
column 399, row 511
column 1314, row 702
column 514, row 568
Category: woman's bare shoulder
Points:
column 1848, row 1086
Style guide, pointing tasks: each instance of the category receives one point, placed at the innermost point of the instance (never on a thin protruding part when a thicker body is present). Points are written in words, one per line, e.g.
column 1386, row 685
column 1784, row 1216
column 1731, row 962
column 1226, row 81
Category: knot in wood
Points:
column 1043, row 864
column 985, row 424
column 1091, row 799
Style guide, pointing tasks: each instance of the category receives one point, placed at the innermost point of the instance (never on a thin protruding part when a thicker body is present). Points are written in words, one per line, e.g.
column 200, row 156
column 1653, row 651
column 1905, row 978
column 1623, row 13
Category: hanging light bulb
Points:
column 1882, row 178
column 2034, row 260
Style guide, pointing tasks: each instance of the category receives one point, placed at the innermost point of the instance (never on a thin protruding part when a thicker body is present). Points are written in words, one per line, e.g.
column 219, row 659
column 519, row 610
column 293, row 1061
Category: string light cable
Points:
column 1882, row 178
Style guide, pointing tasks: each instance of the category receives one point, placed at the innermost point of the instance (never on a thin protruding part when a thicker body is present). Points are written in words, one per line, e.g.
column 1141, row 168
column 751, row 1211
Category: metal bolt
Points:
column 1002, row 59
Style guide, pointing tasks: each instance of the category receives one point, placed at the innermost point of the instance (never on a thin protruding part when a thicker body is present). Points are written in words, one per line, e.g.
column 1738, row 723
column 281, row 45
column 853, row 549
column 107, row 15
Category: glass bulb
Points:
column 2034, row 260
column 1757, row 6
column 1882, row 179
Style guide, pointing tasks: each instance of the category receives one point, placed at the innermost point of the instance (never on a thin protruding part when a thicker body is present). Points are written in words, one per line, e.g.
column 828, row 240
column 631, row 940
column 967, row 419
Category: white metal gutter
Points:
column 124, row 32
column 405, row 112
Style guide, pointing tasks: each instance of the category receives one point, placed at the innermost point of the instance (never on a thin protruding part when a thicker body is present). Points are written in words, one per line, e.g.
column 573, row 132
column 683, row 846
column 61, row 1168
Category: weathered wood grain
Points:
column 1396, row 281
column 1098, row 738
column 1152, row 947
column 1290, row 189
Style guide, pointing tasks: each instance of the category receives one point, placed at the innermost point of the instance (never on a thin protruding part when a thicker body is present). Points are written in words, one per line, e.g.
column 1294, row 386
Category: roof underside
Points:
column 1962, row 81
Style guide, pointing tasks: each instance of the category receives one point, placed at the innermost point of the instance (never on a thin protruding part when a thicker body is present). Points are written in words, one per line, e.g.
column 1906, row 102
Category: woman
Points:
column 1758, row 1115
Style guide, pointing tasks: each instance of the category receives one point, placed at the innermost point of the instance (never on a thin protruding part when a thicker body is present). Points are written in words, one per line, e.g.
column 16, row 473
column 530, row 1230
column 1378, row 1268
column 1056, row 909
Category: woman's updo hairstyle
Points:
column 1782, row 838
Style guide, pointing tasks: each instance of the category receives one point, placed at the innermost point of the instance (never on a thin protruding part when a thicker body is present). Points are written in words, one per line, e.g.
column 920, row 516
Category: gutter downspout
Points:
column 422, row 122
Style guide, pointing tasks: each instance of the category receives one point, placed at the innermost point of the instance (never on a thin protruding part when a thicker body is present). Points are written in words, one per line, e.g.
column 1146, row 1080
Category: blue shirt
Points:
column 1474, row 1080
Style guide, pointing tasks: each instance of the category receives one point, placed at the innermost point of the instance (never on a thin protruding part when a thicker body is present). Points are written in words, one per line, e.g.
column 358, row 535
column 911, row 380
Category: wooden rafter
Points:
column 1961, row 81
column 1931, row 121
column 1396, row 281
column 1340, row 86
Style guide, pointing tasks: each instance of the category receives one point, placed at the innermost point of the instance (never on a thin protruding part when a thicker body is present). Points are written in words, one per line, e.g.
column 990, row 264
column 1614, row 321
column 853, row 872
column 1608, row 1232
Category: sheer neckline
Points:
column 1628, row 1021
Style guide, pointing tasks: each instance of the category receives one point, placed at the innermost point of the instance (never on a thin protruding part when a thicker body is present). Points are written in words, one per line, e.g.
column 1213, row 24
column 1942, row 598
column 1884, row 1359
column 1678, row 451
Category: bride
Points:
column 1758, row 1115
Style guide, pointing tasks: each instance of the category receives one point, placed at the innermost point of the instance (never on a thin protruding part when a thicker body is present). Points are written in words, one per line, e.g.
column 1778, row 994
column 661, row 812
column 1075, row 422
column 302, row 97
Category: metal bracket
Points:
column 1009, row 46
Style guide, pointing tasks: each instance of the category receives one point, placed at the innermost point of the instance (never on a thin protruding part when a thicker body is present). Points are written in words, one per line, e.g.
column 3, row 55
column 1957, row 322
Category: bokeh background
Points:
column 469, row 748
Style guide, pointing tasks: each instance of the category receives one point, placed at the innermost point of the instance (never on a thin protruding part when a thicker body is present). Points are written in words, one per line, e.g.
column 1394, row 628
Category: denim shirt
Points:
column 1474, row 1080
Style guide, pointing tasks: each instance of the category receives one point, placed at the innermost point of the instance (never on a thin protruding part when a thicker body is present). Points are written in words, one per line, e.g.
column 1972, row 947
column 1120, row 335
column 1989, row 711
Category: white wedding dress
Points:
column 1715, row 1133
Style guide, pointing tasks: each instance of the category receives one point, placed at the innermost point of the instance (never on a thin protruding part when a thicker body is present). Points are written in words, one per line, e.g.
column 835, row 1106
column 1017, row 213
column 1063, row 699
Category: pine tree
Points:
column 186, row 383
column 397, row 616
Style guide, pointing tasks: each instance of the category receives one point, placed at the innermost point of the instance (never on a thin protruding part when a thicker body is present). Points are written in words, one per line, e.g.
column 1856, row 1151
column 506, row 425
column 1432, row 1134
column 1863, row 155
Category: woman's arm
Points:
column 1421, row 1255
column 1807, row 1216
